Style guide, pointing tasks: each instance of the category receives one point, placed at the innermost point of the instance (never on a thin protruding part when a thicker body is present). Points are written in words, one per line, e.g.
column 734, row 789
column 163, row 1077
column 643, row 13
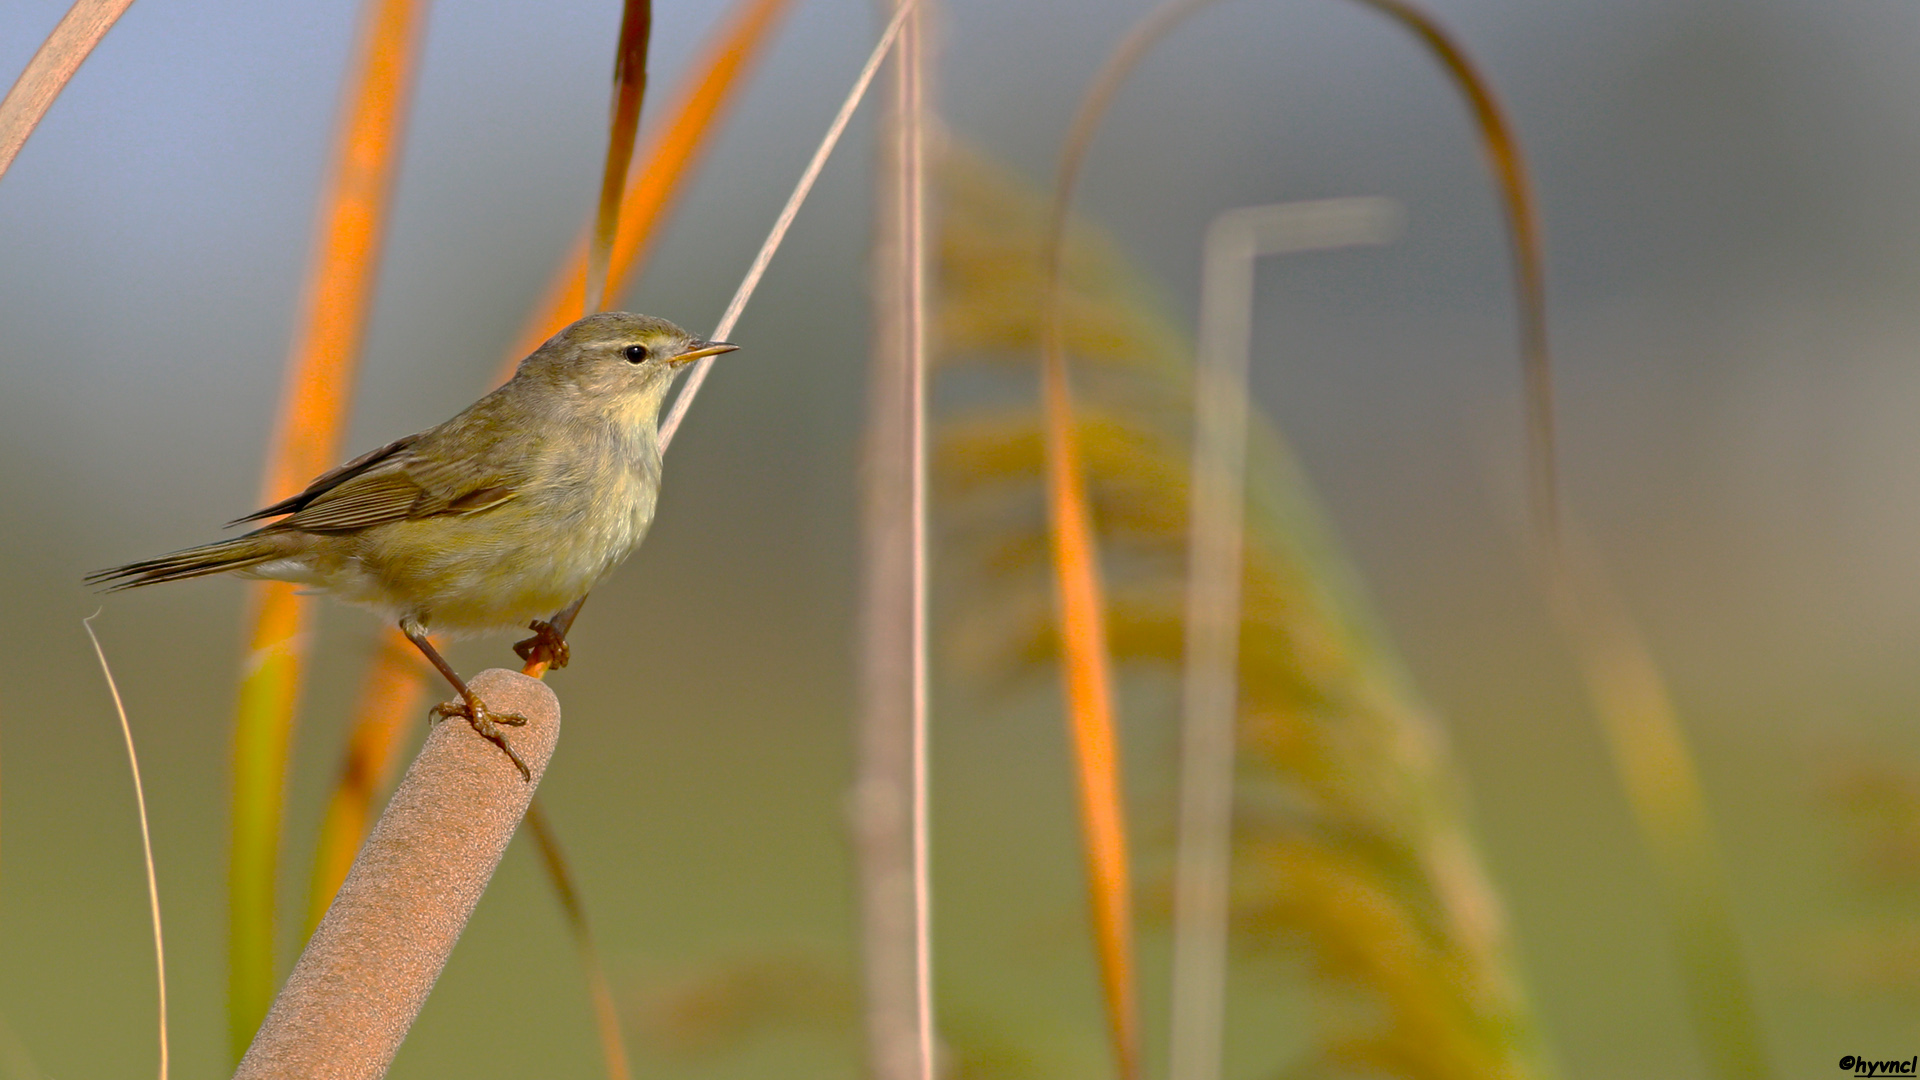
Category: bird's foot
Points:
column 547, row 645
column 486, row 724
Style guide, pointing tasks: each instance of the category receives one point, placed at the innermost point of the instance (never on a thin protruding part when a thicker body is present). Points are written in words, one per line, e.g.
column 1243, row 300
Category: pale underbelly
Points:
column 493, row 570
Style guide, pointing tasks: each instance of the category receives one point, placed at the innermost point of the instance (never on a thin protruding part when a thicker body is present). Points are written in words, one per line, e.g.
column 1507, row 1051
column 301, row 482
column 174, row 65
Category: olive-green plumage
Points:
column 506, row 513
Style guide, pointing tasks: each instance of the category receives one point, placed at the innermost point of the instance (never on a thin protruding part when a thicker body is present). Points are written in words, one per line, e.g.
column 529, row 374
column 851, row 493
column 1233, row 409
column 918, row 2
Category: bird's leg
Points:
column 484, row 722
column 548, row 644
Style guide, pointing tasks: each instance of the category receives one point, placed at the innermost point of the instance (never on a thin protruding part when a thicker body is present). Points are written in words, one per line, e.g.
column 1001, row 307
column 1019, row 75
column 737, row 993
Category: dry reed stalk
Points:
column 889, row 810
column 51, row 68
column 146, row 842
column 320, row 377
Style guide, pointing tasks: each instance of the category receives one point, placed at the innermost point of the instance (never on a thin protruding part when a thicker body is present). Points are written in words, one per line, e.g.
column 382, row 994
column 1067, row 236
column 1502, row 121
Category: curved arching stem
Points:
column 1525, row 249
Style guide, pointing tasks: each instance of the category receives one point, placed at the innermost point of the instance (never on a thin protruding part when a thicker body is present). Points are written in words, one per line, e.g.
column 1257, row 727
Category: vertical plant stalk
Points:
column 670, row 156
column 887, row 795
column 320, row 376
column 51, row 68
column 146, row 840
column 1210, row 685
column 913, row 254
column 629, row 92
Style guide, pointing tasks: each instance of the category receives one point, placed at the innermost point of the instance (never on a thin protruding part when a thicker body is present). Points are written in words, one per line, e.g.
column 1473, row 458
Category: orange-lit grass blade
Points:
column 668, row 159
column 1082, row 605
column 52, row 66
column 1089, row 686
column 320, row 376
column 629, row 92
column 391, row 693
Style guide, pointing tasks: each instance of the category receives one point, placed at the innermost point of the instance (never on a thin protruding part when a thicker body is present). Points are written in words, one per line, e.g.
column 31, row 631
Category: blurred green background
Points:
column 1732, row 247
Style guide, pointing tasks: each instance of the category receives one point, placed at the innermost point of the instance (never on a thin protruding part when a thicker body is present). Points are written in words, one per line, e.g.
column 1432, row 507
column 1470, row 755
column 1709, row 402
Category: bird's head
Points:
column 622, row 360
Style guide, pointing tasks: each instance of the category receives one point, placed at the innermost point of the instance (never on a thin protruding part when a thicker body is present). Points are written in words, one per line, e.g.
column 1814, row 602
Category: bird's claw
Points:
column 486, row 724
column 547, row 644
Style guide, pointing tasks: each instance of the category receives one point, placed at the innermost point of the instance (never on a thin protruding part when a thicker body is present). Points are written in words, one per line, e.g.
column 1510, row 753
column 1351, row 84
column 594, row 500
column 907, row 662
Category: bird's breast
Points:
column 581, row 515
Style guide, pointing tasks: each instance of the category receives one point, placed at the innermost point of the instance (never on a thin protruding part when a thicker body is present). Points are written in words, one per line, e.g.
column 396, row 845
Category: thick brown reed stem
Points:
column 368, row 967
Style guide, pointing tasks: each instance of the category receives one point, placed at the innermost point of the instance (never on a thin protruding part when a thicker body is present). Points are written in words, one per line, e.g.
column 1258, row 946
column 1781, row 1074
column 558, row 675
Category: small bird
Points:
column 510, row 511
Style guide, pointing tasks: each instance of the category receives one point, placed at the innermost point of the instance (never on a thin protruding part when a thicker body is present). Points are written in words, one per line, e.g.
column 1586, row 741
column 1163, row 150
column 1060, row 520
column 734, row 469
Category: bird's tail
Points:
column 235, row 554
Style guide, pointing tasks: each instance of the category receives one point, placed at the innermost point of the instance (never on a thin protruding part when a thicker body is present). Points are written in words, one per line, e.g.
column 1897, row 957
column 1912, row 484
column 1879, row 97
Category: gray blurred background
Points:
column 1732, row 244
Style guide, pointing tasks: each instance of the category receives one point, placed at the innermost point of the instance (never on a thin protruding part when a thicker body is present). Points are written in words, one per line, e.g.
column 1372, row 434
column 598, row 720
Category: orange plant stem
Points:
column 320, row 377
column 669, row 153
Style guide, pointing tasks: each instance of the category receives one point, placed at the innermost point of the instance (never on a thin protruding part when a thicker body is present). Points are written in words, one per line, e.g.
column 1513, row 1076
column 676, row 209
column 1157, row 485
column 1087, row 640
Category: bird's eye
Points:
column 636, row 354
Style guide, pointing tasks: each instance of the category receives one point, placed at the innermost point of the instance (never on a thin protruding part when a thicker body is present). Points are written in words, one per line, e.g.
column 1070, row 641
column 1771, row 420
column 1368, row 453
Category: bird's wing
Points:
column 329, row 481
column 392, row 484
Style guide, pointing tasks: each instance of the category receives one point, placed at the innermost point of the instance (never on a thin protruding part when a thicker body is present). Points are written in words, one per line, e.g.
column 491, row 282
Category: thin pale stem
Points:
column 1215, row 552
column 913, row 183
column 889, row 806
column 780, row 225
column 146, row 840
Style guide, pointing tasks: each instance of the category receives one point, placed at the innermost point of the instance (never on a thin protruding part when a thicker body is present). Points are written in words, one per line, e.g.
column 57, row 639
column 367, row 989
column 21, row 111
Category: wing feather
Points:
column 328, row 481
column 393, row 483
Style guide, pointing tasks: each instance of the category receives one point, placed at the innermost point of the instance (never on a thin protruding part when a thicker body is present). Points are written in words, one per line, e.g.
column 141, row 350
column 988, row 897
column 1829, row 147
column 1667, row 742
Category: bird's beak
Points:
column 698, row 349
